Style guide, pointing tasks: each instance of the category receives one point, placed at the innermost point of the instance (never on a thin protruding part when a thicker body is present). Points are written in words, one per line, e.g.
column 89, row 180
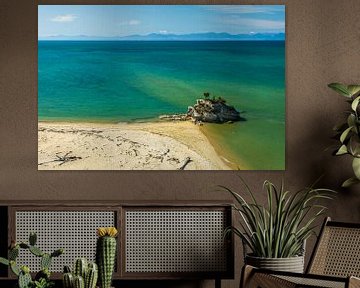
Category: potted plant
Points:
column 349, row 131
column 42, row 278
column 106, row 254
column 276, row 233
column 84, row 274
column 87, row 274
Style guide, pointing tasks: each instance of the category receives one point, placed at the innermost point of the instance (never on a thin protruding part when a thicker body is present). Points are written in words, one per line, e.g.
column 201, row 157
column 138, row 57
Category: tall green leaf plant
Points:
column 280, row 228
column 348, row 132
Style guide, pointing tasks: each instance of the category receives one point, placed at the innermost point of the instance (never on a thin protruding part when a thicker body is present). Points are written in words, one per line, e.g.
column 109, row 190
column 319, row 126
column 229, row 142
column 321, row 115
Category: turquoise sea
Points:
column 115, row 81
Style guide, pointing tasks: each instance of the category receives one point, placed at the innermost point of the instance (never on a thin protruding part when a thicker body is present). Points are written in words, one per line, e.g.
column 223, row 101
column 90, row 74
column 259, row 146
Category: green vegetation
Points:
column 106, row 254
column 279, row 229
column 85, row 275
column 349, row 131
column 42, row 278
column 214, row 99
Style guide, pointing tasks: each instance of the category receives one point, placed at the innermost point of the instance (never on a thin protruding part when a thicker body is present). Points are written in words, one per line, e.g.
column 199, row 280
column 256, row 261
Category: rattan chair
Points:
column 335, row 262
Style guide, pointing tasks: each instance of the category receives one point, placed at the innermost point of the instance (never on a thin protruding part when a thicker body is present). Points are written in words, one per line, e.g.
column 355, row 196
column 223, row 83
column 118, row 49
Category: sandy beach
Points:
column 135, row 146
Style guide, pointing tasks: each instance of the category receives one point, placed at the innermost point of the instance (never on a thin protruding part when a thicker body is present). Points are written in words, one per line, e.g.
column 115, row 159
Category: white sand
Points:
column 139, row 146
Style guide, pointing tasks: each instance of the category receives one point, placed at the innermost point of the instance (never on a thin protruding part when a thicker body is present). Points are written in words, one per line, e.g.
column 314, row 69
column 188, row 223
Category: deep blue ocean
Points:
column 105, row 81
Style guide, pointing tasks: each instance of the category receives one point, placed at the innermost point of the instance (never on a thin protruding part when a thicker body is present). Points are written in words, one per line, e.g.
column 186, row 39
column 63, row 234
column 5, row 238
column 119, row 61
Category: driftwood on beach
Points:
column 122, row 146
column 213, row 110
column 186, row 162
column 62, row 159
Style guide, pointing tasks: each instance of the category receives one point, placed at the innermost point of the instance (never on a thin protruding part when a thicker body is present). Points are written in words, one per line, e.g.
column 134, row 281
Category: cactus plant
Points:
column 84, row 274
column 4, row 261
column 67, row 269
column 14, row 268
column 79, row 282
column 13, row 253
column 42, row 278
column 68, row 280
column 80, row 268
column 57, row 253
column 43, row 274
column 36, row 251
column 91, row 276
column 32, row 238
column 106, row 254
column 24, row 280
column 45, row 261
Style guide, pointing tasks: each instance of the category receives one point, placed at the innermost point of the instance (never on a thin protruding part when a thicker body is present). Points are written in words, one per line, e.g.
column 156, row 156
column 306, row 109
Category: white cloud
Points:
column 163, row 31
column 132, row 22
column 259, row 24
column 254, row 18
column 247, row 9
column 64, row 18
column 267, row 24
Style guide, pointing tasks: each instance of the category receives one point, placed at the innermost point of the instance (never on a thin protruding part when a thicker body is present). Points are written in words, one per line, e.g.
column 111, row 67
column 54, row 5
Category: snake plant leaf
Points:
column 345, row 134
column 342, row 150
column 279, row 228
column 355, row 103
column 341, row 89
column 349, row 182
column 356, row 167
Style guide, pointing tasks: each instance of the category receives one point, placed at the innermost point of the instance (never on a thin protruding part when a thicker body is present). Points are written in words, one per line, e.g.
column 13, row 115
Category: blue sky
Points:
column 123, row 20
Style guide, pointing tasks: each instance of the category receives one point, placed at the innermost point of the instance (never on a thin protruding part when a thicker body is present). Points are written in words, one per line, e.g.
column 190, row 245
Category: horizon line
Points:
column 162, row 40
column 162, row 34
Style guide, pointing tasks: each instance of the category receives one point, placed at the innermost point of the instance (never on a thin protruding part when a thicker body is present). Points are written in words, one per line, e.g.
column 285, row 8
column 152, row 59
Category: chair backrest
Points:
column 337, row 251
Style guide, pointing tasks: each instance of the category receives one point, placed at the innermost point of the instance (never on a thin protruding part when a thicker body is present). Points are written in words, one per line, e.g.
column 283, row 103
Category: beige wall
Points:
column 323, row 45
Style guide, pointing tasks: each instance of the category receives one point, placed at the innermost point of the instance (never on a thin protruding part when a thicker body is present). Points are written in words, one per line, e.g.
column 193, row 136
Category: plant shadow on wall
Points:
column 348, row 132
column 276, row 232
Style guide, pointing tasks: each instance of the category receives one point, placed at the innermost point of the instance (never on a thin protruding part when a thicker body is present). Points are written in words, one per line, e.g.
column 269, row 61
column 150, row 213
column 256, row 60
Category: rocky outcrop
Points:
column 175, row 117
column 213, row 111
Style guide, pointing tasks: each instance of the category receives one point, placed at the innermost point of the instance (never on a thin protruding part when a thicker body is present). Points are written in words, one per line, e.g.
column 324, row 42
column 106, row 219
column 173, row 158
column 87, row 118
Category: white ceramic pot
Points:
column 291, row 264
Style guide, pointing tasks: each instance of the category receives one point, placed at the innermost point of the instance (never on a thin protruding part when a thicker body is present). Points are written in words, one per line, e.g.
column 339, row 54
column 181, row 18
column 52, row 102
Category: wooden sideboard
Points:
column 157, row 240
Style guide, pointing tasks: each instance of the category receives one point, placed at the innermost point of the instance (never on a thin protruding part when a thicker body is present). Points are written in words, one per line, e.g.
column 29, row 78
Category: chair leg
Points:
column 246, row 274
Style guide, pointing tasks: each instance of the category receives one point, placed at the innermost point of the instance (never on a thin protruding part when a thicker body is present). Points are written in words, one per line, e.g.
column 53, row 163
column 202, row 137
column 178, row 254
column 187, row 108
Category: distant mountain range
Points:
column 211, row 36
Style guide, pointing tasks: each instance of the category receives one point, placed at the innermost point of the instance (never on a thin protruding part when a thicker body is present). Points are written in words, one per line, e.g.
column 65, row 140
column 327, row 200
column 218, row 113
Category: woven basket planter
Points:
column 291, row 264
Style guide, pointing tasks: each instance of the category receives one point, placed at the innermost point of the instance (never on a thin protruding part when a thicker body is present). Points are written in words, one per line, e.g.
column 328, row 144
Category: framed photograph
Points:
column 161, row 87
